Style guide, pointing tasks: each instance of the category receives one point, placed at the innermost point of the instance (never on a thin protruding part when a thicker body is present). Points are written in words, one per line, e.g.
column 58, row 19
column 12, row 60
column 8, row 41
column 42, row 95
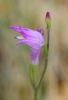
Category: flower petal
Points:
column 34, row 43
column 18, row 29
column 34, row 54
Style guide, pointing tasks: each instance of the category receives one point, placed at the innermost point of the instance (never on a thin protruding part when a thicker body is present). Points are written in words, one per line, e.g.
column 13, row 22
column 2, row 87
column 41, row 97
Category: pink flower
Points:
column 33, row 39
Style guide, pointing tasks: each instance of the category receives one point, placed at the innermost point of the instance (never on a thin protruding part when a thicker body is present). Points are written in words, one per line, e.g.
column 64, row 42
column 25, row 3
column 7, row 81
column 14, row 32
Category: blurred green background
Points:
column 15, row 60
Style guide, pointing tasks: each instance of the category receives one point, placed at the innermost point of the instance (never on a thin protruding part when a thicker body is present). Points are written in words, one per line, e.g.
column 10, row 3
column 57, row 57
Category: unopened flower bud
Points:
column 48, row 20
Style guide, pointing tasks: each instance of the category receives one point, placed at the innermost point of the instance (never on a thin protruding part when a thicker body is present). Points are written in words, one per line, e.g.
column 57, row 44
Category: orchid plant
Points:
column 35, row 40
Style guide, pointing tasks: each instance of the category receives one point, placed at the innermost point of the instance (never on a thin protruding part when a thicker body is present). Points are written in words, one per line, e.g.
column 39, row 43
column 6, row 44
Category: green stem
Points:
column 35, row 94
column 48, row 36
column 44, row 70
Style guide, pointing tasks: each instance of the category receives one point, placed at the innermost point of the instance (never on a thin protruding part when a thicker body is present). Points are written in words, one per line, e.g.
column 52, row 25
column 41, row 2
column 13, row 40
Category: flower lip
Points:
column 19, row 37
